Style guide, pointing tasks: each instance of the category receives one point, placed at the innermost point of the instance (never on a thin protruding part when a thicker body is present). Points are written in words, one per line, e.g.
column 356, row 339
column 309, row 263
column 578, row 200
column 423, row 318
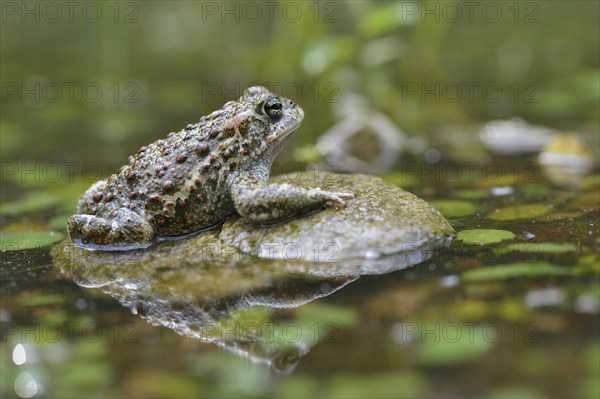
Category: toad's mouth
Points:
column 287, row 127
column 281, row 135
column 279, row 139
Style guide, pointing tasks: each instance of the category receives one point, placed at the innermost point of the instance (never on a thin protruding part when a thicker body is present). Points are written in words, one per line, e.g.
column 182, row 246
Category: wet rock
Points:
column 383, row 219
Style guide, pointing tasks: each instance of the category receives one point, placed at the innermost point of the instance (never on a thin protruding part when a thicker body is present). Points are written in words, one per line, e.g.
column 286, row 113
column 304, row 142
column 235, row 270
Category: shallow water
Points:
column 497, row 319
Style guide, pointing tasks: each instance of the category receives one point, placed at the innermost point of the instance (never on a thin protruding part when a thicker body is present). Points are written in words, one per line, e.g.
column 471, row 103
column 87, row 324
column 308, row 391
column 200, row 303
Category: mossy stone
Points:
column 383, row 219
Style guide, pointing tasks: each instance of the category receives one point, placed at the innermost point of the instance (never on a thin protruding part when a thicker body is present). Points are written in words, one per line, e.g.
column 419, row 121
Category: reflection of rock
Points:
column 203, row 288
column 363, row 143
column 382, row 220
column 214, row 296
column 566, row 160
column 514, row 137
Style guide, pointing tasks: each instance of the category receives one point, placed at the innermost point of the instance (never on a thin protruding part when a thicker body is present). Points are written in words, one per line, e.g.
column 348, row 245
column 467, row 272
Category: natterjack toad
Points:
column 195, row 178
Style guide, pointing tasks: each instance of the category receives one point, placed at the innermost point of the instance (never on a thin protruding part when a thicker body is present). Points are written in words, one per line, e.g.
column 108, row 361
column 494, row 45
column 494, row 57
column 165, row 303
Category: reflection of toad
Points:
column 237, row 307
column 194, row 178
column 246, row 323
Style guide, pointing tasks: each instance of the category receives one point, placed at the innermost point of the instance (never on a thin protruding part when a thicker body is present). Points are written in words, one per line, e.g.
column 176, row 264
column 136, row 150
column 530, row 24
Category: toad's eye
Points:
column 273, row 108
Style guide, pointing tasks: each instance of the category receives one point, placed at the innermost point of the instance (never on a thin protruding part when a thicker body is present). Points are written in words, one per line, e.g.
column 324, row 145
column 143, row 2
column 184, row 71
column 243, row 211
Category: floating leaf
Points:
column 484, row 236
column 562, row 216
column 29, row 240
column 321, row 313
column 458, row 345
column 472, row 193
column 533, row 189
column 44, row 300
column 59, row 222
column 524, row 269
column 454, row 208
column 536, row 248
column 564, row 253
column 519, row 212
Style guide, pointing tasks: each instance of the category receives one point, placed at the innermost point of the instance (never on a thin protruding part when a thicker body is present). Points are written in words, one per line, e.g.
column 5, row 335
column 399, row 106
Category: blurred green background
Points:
column 95, row 80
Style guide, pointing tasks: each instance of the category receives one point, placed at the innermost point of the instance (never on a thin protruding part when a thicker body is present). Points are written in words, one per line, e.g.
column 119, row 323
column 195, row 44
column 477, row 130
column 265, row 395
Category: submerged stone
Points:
column 383, row 219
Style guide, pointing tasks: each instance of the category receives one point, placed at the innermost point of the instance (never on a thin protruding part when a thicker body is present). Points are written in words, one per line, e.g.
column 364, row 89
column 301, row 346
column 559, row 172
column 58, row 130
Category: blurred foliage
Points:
column 454, row 208
column 531, row 269
column 466, row 346
column 161, row 65
column 528, row 211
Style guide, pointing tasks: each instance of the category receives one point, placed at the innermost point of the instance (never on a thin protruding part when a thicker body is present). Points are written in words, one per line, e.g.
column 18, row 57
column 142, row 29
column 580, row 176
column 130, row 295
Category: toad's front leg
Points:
column 269, row 203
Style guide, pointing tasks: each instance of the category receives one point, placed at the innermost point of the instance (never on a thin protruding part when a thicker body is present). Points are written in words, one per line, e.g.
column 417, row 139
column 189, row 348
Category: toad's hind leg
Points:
column 126, row 227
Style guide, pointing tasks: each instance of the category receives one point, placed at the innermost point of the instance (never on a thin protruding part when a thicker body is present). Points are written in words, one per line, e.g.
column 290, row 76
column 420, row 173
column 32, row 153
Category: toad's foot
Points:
column 125, row 227
column 337, row 199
